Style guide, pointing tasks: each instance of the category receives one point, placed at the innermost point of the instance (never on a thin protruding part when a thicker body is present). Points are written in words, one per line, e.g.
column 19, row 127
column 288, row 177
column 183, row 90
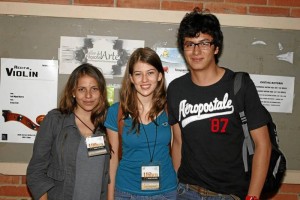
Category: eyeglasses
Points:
column 203, row 45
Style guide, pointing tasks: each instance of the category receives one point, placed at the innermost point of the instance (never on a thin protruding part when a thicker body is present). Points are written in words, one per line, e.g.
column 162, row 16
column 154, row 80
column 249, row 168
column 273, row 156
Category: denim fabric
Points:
column 184, row 193
column 120, row 195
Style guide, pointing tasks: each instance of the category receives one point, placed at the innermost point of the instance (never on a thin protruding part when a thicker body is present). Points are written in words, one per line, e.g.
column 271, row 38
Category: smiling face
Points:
column 145, row 78
column 200, row 57
column 87, row 94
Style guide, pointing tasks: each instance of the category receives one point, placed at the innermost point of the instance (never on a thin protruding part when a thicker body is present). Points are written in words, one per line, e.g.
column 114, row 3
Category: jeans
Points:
column 184, row 193
column 120, row 195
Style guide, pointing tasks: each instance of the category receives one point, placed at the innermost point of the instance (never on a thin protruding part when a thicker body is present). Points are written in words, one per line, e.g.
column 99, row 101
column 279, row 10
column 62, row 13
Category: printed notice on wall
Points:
column 276, row 92
column 173, row 63
column 28, row 90
column 108, row 54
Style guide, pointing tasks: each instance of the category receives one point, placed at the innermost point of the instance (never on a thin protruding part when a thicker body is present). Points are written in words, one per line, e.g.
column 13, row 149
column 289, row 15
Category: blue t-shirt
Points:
column 135, row 153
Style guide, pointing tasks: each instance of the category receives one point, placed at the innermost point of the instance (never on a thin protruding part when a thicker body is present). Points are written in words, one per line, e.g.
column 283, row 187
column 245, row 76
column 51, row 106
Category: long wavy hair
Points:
column 197, row 22
column 128, row 94
column 68, row 104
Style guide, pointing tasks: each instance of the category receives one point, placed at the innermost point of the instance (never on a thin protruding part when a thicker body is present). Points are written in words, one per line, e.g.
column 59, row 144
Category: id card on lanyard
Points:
column 150, row 171
column 150, row 177
column 97, row 145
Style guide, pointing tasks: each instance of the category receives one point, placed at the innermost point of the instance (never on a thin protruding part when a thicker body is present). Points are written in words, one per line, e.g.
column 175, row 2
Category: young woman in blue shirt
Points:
column 144, row 169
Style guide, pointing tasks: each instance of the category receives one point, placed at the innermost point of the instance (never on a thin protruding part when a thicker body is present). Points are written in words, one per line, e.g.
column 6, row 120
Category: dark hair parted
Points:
column 197, row 22
column 128, row 94
column 68, row 103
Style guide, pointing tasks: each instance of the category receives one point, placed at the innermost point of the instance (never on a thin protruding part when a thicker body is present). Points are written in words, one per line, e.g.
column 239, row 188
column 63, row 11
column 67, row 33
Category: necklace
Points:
column 84, row 123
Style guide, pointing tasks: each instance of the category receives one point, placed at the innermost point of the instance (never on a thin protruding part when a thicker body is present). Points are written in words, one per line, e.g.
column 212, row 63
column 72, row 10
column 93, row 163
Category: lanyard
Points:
column 151, row 156
column 83, row 123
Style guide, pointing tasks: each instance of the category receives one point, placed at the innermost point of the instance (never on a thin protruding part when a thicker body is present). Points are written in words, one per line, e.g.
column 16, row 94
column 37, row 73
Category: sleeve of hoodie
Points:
column 37, row 180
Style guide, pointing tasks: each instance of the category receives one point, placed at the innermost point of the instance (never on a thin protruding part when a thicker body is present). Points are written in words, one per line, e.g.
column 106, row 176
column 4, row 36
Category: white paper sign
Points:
column 173, row 63
column 28, row 91
column 108, row 54
column 276, row 92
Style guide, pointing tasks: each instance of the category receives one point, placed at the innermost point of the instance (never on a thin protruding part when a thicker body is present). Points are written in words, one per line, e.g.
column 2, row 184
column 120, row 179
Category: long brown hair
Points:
column 68, row 103
column 128, row 94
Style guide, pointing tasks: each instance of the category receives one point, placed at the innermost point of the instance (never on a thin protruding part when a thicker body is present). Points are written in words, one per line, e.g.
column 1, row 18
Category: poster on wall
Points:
column 28, row 90
column 109, row 54
column 275, row 92
column 173, row 63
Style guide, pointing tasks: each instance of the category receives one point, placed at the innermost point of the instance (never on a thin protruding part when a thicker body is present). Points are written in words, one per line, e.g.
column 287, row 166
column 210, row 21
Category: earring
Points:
column 73, row 96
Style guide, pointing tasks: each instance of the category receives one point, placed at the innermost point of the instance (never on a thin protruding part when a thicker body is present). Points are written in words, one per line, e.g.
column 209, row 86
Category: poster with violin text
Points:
column 28, row 89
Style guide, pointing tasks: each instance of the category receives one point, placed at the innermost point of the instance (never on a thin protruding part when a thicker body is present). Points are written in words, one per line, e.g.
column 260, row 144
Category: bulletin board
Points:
column 38, row 37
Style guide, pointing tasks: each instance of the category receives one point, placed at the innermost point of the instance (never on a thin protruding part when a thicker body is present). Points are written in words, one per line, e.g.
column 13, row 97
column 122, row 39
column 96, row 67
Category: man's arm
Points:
column 260, row 161
column 176, row 146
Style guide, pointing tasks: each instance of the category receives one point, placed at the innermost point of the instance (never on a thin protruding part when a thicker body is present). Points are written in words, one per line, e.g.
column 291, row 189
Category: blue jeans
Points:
column 184, row 193
column 120, row 195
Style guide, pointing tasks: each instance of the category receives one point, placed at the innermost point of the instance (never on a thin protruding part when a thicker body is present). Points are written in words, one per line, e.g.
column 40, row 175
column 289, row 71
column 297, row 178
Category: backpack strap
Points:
column 237, row 84
column 248, row 143
column 120, row 130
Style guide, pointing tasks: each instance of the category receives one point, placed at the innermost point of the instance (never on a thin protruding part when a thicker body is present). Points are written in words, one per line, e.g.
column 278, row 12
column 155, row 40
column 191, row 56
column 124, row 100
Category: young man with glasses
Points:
column 207, row 132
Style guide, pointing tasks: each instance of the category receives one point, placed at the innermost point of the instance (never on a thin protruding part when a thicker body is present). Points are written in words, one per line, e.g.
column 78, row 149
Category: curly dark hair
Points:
column 197, row 22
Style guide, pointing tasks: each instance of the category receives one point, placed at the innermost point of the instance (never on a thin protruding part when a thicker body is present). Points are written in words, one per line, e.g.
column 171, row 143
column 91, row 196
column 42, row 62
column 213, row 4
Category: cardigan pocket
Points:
column 56, row 174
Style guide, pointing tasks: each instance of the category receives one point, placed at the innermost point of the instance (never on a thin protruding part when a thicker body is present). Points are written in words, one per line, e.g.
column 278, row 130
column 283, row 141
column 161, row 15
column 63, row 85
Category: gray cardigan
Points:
column 52, row 168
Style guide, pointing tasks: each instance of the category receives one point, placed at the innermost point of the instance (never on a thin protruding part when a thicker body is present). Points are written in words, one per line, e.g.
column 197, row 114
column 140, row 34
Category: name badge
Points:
column 97, row 145
column 150, row 177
